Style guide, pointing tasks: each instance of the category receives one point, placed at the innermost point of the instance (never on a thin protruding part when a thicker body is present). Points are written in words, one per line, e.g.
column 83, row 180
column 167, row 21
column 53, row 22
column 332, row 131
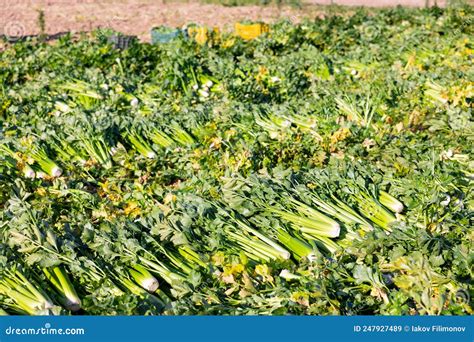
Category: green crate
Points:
column 162, row 34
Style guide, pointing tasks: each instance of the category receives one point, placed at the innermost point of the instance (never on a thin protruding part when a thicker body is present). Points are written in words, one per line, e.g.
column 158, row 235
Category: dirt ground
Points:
column 137, row 17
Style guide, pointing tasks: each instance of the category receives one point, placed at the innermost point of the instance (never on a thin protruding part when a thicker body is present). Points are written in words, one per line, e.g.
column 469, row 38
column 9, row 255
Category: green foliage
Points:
column 322, row 168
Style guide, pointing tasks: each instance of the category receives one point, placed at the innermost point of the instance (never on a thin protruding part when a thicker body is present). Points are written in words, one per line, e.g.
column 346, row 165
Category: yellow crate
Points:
column 250, row 31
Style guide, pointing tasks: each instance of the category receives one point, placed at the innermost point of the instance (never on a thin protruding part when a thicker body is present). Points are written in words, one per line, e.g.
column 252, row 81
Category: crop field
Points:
column 322, row 168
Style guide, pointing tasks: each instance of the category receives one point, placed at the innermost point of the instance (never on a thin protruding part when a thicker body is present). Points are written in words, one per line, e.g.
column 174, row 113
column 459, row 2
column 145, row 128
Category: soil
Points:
column 137, row 17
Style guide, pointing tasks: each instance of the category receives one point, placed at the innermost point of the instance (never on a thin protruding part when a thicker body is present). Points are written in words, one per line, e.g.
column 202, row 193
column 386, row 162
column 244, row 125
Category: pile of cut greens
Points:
column 323, row 168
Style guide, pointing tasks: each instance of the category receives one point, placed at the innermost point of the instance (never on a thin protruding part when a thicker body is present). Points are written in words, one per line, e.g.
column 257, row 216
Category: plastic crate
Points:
column 160, row 35
column 202, row 35
column 250, row 31
column 121, row 42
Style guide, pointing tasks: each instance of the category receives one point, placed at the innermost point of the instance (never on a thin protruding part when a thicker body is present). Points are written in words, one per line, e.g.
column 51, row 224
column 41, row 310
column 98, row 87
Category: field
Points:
column 137, row 17
column 323, row 168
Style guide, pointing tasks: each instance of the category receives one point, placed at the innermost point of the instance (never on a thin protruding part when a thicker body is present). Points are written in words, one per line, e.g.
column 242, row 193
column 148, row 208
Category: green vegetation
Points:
column 322, row 168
